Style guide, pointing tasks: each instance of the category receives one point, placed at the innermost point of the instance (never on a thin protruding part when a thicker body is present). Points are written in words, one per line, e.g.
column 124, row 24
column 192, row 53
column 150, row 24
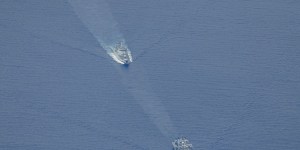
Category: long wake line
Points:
column 96, row 16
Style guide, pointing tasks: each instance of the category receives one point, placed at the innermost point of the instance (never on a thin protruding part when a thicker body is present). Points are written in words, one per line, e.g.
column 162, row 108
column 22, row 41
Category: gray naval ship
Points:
column 121, row 54
column 182, row 144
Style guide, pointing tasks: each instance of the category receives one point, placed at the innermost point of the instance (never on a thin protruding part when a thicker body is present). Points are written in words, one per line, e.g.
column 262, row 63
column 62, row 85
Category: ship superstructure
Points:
column 182, row 144
column 121, row 53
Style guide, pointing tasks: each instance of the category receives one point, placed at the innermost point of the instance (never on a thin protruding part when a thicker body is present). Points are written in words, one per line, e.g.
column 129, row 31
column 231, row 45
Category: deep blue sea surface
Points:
column 225, row 74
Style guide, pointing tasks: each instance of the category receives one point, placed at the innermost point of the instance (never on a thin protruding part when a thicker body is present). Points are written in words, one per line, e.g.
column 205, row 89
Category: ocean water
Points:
column 224, row 74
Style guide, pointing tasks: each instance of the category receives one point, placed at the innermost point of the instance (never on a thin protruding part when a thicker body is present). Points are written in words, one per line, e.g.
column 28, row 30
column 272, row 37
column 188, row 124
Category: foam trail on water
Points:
column 97, row 17
column 138, row 86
